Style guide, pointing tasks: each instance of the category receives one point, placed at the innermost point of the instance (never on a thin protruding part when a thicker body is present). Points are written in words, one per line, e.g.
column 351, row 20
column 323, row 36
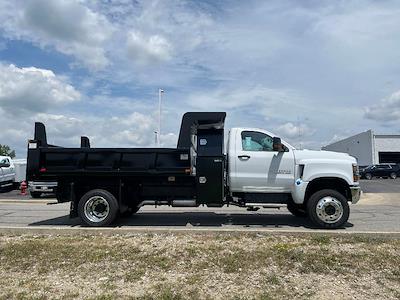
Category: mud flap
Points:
column 73, row 209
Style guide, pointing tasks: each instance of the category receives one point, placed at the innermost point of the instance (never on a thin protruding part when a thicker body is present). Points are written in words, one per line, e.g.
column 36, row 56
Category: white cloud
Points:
column 359, row 35
column 67, row 25
column 33, row 90
column 251, row 105
column 147, row 49
column 355, row 26
column 386, row 110
column 292, row 131
column 129, row 130
column 254, row 97
column 29, row 95
column 265, row 63
column 336, row 138
column 61, row 127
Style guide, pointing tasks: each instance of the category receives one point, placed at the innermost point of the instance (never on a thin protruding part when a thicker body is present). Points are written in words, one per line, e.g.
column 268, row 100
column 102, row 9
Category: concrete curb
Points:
column 28, row 201
column 109, row 231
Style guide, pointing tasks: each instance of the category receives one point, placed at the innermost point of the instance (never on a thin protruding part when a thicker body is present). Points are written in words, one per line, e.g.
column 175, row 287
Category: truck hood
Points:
column 307, row 155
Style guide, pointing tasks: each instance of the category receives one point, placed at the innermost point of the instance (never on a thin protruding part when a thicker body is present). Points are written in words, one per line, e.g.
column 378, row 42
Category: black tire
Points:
column 130, row 211
column 296, row 209
column 368, row 176
column 91, row 217
column 393, row 175
column 36, row 195
column 321, row 219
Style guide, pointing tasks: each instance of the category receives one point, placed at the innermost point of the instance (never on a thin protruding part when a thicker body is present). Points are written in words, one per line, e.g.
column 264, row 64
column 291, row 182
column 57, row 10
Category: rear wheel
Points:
column 368, row 176
column 98, row 208
column 393, row 175
column 328, row 209
column 35, row 194
column 296, row 209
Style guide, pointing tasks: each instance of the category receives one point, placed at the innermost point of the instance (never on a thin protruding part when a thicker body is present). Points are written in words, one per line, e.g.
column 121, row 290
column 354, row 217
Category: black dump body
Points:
column 137, row 174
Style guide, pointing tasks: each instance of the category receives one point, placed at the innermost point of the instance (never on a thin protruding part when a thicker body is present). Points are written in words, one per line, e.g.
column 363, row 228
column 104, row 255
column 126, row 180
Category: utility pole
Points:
column 299, row 131
column 160, row 92
column 155, row 138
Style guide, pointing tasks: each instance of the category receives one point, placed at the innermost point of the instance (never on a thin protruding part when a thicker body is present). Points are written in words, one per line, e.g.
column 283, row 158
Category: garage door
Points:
column 389, row 157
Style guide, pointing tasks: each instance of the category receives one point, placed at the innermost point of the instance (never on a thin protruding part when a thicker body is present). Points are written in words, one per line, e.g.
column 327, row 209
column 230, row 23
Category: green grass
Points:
column 195, row 266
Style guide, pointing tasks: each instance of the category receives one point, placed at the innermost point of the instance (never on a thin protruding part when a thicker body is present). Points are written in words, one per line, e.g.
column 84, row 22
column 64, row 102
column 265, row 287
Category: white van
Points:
column 20, row 170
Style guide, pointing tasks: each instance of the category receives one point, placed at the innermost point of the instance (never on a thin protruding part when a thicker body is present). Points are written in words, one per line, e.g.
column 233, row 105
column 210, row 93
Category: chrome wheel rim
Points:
column 96, row 209
column 329, row 210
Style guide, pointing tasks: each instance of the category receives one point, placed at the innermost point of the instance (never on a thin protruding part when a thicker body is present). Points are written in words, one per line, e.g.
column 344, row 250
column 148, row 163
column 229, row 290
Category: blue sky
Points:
column 310, row 71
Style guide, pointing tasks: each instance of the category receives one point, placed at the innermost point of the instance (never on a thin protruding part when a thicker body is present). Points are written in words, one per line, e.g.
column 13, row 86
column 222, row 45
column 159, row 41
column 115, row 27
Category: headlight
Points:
column 356, row 173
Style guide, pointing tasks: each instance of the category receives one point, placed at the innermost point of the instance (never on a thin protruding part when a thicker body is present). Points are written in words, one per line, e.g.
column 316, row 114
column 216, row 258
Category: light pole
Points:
column 155, row 138
column 160, row 92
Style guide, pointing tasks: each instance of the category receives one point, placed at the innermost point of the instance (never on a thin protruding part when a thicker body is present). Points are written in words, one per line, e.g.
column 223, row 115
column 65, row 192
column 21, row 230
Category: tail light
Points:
column 356, row 173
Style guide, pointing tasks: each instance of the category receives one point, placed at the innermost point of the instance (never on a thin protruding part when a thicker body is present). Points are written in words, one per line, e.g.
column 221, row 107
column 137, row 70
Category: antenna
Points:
column 160, row 92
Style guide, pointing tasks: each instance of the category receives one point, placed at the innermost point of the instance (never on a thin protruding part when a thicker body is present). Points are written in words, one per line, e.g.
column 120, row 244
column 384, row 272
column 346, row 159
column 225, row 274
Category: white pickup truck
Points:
column 259, row 169
column 7, row 172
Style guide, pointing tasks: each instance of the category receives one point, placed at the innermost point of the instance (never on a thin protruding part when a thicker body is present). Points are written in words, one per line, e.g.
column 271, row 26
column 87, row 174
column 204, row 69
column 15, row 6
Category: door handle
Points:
column 244, row 156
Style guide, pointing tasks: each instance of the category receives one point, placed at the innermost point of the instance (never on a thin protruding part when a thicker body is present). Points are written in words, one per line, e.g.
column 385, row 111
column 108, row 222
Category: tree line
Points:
column 5, row 150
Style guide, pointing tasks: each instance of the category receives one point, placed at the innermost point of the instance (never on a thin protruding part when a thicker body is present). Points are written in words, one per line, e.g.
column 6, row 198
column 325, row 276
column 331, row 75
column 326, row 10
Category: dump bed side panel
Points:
column 46, row 162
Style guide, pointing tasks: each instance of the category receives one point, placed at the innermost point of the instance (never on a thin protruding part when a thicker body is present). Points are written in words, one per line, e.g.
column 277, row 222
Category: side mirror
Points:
column 277, row 144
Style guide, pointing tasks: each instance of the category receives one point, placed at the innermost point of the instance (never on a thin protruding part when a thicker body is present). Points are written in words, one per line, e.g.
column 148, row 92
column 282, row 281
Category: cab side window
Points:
column 256, row 141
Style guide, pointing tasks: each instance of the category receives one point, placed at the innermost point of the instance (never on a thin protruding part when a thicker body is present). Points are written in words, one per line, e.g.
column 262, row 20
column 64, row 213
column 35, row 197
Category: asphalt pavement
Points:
column 380, row 185
column 377, row 211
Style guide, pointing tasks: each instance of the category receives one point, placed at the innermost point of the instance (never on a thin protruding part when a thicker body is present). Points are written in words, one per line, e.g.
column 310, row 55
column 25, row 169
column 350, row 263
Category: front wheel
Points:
column 368, row 176
column 328, row 209
column 393, row 175
column 98, row 208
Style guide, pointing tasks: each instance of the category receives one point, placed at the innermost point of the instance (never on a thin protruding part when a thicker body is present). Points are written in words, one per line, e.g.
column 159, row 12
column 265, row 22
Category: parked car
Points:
column 381, row 170
column 259, row 168
column 7, row 172
column 362, row 168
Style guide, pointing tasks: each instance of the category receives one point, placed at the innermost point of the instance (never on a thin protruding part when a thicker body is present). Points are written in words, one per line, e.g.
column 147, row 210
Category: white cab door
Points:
column 257, row 167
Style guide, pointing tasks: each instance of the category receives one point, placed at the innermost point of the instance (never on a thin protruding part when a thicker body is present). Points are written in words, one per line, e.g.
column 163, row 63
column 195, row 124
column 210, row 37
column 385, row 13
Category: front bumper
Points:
column 355, row 194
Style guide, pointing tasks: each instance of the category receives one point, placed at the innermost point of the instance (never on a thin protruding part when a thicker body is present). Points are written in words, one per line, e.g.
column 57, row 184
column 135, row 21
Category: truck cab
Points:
column 255, row 166
column 262, row 168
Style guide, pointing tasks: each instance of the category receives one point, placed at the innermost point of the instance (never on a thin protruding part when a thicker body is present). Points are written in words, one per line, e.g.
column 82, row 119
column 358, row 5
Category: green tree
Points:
column 6, row 151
